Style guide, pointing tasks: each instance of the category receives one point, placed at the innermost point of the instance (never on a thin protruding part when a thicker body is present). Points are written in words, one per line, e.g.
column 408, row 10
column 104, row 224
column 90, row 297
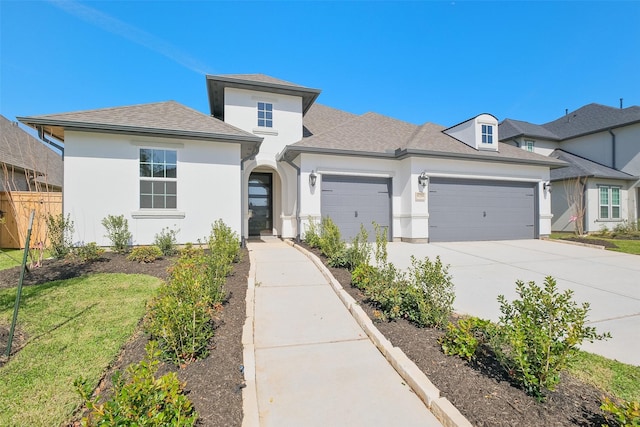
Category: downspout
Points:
column 613, row 149
column 293, row 165
column 43, row 137
column 251, row 155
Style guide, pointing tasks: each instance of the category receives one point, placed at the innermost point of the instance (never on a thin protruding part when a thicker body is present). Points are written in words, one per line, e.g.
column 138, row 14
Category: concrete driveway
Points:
column 608, row 281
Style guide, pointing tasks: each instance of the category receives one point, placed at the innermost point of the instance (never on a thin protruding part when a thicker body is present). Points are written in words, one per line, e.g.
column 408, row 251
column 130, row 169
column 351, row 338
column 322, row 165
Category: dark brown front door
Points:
column 260, row 203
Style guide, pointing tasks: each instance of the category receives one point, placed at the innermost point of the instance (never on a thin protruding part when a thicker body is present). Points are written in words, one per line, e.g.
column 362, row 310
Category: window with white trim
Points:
column 528, row 145
column 158, row 178
column 265, row 114
column 609, row 202
column 487, row 134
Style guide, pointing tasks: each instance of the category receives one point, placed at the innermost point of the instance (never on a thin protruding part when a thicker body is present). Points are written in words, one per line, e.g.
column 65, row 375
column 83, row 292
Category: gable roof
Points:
column 216, row 85
column 375, row 135
column 167, row 119
column 585, row 120
column 581, row 167
column 21, row 150
column 321, row 118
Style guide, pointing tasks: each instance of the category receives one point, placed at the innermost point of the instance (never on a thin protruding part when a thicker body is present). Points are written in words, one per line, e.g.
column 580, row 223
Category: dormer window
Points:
column 265, row 114
column 487, row 134
column 529, row 145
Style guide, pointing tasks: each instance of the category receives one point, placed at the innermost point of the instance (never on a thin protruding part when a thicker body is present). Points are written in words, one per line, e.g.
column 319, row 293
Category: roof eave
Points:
column 134, row 130
column 407, row 152
column 290, row 153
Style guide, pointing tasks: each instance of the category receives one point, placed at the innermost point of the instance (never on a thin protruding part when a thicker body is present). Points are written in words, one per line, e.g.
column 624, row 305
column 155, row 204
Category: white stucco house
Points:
column 269, row 159
column 601, row 146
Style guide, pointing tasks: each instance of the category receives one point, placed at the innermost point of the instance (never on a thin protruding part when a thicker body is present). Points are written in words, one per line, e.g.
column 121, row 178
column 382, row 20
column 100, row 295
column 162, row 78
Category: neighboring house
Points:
column 602, row 147
column 269, row 160
column 27, row 164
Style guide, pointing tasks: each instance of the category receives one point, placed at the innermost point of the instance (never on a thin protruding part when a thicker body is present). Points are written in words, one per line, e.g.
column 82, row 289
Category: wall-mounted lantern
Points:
column 423, row 179
column 312, row 179
column 547, row 186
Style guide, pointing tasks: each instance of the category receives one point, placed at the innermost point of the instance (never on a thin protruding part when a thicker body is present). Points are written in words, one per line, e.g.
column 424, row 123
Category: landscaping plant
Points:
column 539, row 334
column 166, row 241
column 622, row 414
column 359, row 252
column 465, row 337
column 89, row 252
column 118, row 232
column 331, row 244
column 139, row 398
column 312, row 234
column 145, row 254
column 60, row 232
column 429, row 296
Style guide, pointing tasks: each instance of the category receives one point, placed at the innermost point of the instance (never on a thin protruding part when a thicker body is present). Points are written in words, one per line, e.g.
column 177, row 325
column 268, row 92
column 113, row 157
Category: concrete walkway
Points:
column 314, row 364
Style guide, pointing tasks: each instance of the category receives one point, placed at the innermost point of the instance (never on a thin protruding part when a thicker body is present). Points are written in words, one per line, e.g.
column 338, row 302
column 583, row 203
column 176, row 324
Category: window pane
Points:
column 171, row 187
column 604, row 211
column 269, row 123
column 269, row 115
column 261, row 114
column 158, row 202
column 145, row 155
column 490, row 139
column 615, row 196
column 171, row 202
column 490, row 130
column 158, row 171
column 159, row 187
column 615, row 212
column 145, row 169
column 145, row 201
column 145, row 187
column 171, row 171
column 260, row 122
column 158, row 156
column 170, row 156
column 269, row 107
column 604, row 196
column 260, row 105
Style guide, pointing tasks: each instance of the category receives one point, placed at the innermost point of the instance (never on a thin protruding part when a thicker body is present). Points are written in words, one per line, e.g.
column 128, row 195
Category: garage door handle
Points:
column 484, row 214
column 356, row 214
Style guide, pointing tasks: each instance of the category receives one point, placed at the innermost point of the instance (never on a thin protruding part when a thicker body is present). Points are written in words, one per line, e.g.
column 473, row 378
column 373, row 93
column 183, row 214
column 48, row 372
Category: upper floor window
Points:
column 487, row 134
column 158, row 178
column 528, row 145
column 265, row 114
column 609, row 202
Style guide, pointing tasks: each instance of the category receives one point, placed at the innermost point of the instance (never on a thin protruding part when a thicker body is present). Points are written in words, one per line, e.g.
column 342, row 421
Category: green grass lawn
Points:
column 10, row 258
column 625, row 246
column 74, row 328
column 616, row 378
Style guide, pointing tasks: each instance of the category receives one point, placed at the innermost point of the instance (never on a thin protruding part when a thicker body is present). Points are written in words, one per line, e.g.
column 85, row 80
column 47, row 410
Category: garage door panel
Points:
column 350, row 201
column 480, row 210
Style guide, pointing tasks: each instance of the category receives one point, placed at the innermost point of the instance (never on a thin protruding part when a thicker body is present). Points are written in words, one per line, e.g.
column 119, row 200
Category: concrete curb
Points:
column 251, row 413
column 570, row 242
column 446, row 413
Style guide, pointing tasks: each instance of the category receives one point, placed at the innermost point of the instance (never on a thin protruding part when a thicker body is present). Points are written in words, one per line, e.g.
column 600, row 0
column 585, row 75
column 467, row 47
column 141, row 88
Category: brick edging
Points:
column 446, row 413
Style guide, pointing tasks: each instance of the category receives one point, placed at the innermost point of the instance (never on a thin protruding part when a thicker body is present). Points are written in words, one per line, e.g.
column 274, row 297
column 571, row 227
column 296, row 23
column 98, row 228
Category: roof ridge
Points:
column 93, row 110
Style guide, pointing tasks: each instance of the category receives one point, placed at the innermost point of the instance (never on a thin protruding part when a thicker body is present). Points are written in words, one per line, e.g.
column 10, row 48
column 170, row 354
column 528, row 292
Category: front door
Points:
column 260, row 204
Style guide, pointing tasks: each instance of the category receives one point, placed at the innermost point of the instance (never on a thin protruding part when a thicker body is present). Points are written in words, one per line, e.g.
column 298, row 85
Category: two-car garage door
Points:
column 463, row 209
column 459, row 209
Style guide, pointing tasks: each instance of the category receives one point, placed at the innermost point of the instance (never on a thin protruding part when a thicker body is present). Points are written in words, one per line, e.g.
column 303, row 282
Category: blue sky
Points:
column 441, row 62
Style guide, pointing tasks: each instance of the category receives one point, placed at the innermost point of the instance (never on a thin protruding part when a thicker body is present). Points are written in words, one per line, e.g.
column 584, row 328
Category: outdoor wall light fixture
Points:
column 312, row 179
column 423, row 179
column 547, row 186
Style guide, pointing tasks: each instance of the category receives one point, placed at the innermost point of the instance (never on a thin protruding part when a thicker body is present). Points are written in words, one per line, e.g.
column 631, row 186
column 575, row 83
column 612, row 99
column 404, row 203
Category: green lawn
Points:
column 618, row 379
column 75, row 328
column 10, row 258
column 625, row 246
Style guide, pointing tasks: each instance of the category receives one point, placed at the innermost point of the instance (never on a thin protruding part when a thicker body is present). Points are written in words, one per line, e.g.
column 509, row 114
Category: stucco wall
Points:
column 101, row 177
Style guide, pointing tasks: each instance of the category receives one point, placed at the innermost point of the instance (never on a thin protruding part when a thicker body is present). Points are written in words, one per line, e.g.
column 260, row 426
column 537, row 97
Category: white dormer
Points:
column 480, row 132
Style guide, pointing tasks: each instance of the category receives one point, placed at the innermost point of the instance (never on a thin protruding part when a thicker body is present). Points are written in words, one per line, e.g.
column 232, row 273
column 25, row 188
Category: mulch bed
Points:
column 480, row 390
column 607, row 244
column 214, row 384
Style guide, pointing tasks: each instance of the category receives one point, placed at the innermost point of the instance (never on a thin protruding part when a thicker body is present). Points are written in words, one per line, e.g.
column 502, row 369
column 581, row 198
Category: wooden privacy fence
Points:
column 16, row 207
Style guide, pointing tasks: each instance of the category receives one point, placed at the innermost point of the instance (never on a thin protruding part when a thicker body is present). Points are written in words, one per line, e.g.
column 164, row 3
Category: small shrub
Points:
column 539, row 334
column 117, row 232
column 430, row 293
column 139, row 398
column 166, row 241
column 312, row 234
column 622, row 414
column 331, row 244
column 359, row 251
column 60, row 232
column 363, row 275
column 89, row 252
column 145, row 254
column 464, row 338
column 380, row 251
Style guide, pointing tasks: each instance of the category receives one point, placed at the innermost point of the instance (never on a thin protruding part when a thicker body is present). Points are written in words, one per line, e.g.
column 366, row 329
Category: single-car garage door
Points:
column 353, row 200
column 461, row 209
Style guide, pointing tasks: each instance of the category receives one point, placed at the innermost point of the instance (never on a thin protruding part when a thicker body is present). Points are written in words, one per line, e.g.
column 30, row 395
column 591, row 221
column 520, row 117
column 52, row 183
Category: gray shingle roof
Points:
column 581, row 167
column 169, row 119
column 18, row 148
column 585, row 120
column 259, row 78
column 375, row 135
column 510, row 128
column 321, row 118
